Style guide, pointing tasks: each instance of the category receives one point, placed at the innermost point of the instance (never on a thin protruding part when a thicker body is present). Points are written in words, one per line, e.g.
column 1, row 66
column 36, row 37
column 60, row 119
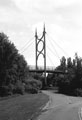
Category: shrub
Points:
column 33, row 86
column 78, row 92
column 5, row 91
column 19, row 88
column 30, row 89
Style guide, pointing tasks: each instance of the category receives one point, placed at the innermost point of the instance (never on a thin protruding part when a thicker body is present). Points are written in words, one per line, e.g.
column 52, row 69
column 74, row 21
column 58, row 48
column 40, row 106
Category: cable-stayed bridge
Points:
column 43, row 52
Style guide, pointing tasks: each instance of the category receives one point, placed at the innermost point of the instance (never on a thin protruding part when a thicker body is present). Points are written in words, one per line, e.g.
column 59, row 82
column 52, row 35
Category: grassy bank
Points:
column 22, row 107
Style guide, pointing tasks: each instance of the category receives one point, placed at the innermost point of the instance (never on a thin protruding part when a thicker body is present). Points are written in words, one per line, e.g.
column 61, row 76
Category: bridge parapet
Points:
column 49, row 69
column 31, row 67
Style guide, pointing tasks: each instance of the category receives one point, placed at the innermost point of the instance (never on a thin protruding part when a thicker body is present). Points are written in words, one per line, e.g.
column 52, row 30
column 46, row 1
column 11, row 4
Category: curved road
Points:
column 61, row 107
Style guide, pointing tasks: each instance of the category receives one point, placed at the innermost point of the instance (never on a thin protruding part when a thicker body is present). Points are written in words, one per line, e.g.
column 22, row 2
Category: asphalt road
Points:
column 61, row 107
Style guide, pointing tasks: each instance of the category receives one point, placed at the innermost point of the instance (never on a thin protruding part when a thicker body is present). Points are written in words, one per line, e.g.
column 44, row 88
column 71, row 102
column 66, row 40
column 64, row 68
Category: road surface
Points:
column 61, row 107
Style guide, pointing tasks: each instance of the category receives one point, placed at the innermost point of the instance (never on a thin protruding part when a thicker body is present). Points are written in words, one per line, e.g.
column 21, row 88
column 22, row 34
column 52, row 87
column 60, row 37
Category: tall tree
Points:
column 13, row 66
column 69, row 63
column 63, row 63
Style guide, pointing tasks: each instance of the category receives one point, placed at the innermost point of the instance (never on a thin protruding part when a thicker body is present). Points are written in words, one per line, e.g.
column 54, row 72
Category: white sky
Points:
column 63, row 21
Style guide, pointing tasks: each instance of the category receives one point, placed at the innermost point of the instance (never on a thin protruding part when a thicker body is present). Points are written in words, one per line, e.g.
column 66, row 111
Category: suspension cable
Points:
column 59, row 46
column 27, row 47
column 27, row 43
column 54, row 49
column 53, row 52
column 50, row 60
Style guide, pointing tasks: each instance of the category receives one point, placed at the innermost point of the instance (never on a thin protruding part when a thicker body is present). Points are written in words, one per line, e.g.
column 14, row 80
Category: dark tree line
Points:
column 70, row 83
column 14, row 71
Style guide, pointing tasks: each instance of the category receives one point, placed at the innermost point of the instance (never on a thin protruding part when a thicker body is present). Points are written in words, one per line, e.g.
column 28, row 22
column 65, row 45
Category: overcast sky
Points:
column 63, row 21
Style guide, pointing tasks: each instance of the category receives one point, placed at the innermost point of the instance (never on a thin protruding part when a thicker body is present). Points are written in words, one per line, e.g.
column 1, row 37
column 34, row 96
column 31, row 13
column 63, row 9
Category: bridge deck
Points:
column 48, row 71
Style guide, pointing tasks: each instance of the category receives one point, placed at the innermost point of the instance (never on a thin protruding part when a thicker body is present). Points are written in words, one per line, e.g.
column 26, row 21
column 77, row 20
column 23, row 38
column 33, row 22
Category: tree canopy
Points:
column 71, row 82
column 13, row 66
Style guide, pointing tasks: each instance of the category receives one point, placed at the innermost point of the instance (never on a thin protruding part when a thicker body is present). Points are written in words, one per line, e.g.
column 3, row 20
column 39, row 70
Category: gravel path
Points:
column 61, row 107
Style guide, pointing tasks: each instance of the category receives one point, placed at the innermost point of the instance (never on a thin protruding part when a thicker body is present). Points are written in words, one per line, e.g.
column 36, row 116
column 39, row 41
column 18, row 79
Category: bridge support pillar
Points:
column 42, row 51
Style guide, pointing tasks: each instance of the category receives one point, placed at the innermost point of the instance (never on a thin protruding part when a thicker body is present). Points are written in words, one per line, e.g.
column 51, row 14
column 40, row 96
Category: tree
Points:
column 8, row 54
column 69, row 63
column 22, row 69
column 70, row 83
column 62, row 65
column 13, row 66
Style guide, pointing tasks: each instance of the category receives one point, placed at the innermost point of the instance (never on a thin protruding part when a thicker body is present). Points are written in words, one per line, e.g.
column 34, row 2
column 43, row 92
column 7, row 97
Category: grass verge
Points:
column 23, row 107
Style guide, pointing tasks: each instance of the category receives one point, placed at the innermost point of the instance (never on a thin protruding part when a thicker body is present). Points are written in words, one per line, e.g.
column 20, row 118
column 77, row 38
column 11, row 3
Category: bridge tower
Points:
column 42, row 51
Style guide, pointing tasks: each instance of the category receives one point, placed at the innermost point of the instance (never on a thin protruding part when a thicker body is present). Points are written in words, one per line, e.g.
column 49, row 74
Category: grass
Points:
column 23, row 107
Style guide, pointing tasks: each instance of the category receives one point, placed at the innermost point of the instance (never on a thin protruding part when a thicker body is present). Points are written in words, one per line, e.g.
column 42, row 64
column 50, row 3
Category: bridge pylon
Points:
column 38, row 52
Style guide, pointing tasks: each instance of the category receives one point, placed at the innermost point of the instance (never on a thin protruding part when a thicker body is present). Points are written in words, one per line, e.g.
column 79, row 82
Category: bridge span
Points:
column 49, row 69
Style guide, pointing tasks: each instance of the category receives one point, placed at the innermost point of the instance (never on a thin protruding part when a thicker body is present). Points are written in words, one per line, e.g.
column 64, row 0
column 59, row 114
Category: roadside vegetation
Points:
column 14, row 71
column 70, row 83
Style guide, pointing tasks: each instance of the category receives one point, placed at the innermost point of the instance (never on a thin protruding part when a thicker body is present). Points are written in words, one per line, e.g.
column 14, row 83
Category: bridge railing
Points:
column 31, row 67
column 49, row 69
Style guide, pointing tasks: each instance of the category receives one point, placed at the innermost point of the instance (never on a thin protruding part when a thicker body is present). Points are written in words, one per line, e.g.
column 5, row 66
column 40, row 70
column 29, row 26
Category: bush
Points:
column 19, row 88
column 33, row 86
column 30, row 89
column 78, row 92
column 5, row 91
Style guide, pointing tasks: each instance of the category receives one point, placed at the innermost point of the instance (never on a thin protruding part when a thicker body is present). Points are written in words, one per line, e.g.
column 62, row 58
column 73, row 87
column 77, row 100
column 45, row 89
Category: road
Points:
column 61, row 107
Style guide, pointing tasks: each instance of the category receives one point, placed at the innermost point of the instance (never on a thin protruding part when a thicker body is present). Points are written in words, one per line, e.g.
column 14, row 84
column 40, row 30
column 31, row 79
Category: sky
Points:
column 63, row 22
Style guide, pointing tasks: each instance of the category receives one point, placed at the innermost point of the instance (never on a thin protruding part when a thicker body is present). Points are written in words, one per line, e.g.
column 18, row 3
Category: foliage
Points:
column 50, row 79
column 13, row 67
column 78, row 92
column 33, row 86
column 4, row 91
column 63, row 63
column 70, row 83
column 19, row 88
